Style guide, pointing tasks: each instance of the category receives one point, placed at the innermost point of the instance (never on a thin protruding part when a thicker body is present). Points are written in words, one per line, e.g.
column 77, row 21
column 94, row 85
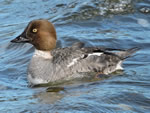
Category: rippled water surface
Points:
column 110, row 23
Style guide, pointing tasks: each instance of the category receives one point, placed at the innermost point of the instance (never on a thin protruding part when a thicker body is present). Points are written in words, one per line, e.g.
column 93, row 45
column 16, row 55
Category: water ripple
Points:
column 110, row 23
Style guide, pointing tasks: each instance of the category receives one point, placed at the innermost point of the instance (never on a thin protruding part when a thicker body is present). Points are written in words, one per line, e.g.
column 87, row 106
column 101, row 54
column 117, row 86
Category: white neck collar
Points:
column 43, row 54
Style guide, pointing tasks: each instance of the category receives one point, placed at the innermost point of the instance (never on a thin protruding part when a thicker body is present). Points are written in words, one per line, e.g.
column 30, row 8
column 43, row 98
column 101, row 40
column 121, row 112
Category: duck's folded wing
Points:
column 98, row 60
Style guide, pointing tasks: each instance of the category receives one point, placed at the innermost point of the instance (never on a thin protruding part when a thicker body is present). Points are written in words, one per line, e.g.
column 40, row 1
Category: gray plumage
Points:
column 67, row 63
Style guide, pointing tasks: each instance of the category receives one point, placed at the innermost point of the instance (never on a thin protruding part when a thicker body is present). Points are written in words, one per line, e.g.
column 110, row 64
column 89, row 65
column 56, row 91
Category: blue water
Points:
column 111, row 23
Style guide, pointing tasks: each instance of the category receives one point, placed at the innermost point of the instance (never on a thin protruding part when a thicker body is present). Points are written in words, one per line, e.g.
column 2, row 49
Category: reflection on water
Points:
column 111, row 23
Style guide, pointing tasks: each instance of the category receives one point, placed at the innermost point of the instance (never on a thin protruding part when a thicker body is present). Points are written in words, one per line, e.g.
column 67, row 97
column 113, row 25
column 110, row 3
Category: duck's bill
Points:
column 20, row 39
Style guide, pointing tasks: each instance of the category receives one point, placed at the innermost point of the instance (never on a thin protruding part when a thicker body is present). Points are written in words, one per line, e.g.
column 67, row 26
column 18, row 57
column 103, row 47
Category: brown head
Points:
column 40, row 33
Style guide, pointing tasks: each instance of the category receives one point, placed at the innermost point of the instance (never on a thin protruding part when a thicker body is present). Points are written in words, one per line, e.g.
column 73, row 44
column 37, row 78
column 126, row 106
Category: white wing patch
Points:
column 75, row 60
column 96, row 54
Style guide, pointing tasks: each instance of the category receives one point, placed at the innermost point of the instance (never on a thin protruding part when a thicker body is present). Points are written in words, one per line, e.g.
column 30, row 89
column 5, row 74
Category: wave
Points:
column 81, row 10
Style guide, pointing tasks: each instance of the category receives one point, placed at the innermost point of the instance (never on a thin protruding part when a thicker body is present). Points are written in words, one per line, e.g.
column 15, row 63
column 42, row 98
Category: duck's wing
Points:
column 98, row 60
column 78, row 50
column 85, row 59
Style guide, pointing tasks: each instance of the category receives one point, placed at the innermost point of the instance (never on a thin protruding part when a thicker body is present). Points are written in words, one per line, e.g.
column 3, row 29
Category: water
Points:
column 110, row 23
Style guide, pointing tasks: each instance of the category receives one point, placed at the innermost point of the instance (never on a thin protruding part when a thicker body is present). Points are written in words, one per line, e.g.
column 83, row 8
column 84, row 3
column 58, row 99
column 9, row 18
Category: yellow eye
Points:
column 34, row 30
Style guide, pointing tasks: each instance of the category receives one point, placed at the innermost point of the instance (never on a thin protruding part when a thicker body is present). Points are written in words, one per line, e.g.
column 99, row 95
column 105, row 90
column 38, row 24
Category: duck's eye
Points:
column 34, row 30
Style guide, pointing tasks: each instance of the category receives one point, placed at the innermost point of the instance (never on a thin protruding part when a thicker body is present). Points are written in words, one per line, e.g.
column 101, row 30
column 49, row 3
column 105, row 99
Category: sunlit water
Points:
column 110, row 23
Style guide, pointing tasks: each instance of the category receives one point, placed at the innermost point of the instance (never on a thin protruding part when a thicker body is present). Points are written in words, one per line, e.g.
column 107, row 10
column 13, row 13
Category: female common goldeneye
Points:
column 50, row 64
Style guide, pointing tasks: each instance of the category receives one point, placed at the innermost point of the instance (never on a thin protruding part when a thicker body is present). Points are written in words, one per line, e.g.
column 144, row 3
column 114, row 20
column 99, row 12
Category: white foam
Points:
column 143, row 22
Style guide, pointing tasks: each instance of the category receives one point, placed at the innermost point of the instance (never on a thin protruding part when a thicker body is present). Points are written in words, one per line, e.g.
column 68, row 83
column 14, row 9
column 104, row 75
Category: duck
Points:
column 50, row 64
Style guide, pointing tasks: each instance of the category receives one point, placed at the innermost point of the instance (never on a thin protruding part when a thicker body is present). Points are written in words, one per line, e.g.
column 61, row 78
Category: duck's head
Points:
column 40, row 33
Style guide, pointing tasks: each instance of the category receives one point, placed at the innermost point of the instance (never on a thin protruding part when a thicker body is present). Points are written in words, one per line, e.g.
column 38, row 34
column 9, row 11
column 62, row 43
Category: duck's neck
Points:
column 43, row 54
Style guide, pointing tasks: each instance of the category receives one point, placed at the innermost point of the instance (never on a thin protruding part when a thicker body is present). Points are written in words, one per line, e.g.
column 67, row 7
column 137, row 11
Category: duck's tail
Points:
column 127, row 53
